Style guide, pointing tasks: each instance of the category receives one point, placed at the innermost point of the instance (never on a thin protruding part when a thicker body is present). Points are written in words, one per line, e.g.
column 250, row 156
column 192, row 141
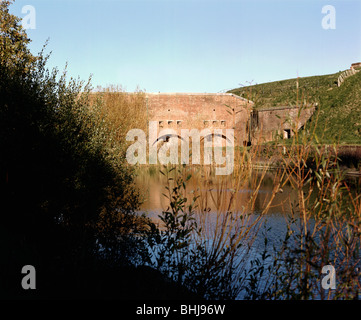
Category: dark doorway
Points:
column 286, row 133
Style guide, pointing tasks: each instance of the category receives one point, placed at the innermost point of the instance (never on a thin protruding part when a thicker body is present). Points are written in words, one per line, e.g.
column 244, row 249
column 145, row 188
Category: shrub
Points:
column 63, row 177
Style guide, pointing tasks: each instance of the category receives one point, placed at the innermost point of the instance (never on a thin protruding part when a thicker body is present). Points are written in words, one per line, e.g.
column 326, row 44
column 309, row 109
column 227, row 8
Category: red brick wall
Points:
column 199, row 111
column 356, row 65
column 281, row 120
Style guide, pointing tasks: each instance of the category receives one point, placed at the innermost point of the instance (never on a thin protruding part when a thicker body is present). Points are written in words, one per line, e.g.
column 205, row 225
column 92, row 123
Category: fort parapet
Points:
column 266, row 123
column 225, row 111
column 200, row 111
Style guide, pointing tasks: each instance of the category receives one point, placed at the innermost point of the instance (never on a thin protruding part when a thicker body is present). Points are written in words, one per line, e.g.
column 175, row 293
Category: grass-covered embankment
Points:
column 339, row 108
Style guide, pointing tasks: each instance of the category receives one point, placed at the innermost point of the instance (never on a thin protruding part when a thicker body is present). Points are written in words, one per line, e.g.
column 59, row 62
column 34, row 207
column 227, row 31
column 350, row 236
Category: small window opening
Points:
column 287, row 134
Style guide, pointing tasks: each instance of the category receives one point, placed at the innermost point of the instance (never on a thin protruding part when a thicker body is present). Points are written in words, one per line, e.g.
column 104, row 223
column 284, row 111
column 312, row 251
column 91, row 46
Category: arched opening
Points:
column 166, row 138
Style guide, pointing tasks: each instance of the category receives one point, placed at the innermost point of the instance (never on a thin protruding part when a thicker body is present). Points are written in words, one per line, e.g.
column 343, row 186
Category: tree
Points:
column 63, row 178
column 14, row 52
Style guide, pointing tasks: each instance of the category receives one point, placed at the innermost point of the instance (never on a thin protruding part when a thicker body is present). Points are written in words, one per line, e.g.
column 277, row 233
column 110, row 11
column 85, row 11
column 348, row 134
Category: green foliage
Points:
column 14, row 53
column 180, row 251
column 66, row 192
column 323, row 228
column 286, row 92
column 338, row 118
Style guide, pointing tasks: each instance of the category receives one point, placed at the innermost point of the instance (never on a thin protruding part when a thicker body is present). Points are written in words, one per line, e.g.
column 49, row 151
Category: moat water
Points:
column 216, row 192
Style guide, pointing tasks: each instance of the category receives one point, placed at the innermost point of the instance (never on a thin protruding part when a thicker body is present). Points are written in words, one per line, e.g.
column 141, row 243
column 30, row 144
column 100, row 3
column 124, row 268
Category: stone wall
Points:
column 200, row 111
column 209, row 110
column 345, row 74
column 265, row 124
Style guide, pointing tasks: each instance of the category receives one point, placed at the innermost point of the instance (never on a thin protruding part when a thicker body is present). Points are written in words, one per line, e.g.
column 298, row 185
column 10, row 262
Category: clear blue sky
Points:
column 194, row 45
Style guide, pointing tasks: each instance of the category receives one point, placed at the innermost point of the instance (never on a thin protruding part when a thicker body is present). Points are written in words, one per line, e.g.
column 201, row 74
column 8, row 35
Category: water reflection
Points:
column 220, row 194
column 215, row 191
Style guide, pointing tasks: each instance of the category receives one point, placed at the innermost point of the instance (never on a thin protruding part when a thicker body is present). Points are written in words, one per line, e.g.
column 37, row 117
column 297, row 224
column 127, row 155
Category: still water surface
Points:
column 217, row 192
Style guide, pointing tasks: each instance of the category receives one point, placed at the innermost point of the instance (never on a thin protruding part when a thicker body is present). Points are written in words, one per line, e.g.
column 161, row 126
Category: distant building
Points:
column 282, row 121
column 200, row 111
column 225, row 111
column 356, row 65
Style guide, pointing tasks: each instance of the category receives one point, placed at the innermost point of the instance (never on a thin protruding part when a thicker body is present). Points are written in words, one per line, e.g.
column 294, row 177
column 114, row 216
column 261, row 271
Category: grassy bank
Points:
column 338, row 116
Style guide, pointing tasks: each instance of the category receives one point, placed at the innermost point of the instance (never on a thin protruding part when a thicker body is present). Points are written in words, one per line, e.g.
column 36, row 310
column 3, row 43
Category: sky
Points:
column 194, row 45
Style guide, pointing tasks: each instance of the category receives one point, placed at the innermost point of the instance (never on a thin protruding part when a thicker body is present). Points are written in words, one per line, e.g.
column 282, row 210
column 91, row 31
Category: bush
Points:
column 63, row 178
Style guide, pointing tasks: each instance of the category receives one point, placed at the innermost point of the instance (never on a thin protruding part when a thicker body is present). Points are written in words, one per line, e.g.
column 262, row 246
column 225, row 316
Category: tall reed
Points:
column 205, row 237
column 323, row 226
